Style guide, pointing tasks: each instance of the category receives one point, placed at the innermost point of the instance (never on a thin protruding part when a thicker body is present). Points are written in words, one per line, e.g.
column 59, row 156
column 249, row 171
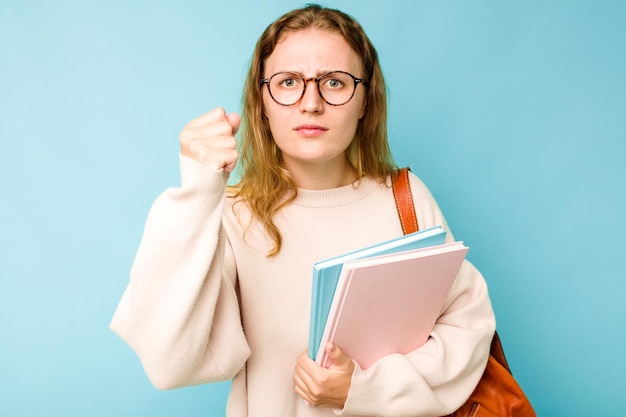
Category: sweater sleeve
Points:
column 436, row 378
column 180, row 311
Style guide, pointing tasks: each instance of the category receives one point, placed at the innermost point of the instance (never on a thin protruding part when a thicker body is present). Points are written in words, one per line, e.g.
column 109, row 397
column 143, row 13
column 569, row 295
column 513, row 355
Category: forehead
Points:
column 313, row 52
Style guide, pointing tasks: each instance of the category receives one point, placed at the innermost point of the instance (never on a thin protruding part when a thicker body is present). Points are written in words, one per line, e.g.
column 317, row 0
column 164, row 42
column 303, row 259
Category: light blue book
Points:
column 326, row 274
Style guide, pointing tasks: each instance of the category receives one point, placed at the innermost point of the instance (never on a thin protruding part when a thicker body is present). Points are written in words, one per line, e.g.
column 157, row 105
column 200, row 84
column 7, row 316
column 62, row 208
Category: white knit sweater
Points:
column 205, row 303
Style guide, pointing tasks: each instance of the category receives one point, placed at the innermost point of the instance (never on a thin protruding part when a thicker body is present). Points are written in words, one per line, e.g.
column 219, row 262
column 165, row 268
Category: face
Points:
column 312, row 131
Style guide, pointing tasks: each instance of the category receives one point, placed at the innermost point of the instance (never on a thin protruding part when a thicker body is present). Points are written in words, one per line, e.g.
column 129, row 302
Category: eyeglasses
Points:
column 335, row 88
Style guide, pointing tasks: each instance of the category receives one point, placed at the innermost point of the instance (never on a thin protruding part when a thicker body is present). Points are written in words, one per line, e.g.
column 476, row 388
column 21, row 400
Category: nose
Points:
column 311, row 101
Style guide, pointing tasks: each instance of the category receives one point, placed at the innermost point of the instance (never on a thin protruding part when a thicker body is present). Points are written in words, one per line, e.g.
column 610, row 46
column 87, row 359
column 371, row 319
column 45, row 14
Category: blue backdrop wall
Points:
column 512, row 112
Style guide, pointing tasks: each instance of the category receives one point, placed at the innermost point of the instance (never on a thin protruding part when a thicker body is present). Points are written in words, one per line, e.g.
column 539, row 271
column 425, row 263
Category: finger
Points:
column 198, row 146
column 218, row 128
column 225, row 159
column 303, row 370
column 303, row 395
column 217, row 139
column 217, row 114
column 305, row 391
column 230, row 161
column 303, row 373
column 301, row 387
column 216, row 157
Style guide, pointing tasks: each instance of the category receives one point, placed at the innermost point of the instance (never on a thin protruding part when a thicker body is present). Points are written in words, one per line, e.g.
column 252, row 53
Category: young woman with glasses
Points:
column 221, row 284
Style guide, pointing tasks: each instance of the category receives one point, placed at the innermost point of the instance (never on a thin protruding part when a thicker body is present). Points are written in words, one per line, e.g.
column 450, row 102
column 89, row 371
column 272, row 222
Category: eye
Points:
column 287, row 81
column 333, row 83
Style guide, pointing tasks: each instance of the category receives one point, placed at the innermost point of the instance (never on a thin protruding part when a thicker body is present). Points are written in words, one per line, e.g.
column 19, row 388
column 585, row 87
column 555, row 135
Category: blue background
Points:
column 512, row 112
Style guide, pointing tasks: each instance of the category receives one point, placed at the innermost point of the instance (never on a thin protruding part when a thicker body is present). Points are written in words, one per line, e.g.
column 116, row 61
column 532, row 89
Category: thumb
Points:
column 234, row 120
column 336, row 355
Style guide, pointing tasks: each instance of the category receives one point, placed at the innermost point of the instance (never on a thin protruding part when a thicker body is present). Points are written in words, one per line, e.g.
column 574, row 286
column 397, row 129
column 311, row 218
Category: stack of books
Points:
column 382, row 299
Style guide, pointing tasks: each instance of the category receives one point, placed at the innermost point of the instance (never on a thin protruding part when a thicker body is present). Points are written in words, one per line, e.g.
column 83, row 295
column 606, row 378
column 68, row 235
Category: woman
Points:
column 221, row 284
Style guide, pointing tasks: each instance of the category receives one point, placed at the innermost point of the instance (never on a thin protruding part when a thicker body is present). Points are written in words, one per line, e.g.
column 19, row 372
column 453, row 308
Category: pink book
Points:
column 389, row 304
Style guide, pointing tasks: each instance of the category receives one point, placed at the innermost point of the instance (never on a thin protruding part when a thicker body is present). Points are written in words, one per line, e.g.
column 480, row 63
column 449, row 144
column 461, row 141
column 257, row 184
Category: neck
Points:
column 325, row 176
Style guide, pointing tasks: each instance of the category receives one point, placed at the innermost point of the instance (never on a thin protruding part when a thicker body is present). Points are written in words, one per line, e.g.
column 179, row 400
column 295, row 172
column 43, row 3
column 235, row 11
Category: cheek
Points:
column 271, row 110
column 357, row 113
column 275, row 119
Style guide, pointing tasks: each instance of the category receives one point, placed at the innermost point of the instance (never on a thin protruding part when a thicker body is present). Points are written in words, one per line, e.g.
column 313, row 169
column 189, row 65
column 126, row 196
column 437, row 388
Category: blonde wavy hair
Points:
column 265, row 183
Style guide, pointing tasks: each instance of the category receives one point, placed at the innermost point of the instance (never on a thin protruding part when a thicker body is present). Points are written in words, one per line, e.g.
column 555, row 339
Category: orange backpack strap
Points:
column 404, row 201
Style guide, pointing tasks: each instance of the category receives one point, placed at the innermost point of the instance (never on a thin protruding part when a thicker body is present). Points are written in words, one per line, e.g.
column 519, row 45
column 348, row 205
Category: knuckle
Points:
column 231, row 142
column 184, row 136
column 224, row 127
column 220, row 112
column 316, row 393
column 234, row 154
column 195, row 146
column 202, row 155
column 315, row 402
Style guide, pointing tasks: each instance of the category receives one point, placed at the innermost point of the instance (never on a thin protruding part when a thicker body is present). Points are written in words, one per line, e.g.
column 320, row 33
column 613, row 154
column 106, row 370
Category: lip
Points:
column 310, row 130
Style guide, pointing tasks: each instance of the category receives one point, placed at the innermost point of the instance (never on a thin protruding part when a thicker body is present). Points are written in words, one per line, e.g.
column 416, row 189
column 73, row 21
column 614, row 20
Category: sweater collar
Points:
column 335, row 197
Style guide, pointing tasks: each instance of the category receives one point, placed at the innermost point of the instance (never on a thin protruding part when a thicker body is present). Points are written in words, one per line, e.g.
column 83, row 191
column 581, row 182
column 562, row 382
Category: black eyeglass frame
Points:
column 357, row 81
